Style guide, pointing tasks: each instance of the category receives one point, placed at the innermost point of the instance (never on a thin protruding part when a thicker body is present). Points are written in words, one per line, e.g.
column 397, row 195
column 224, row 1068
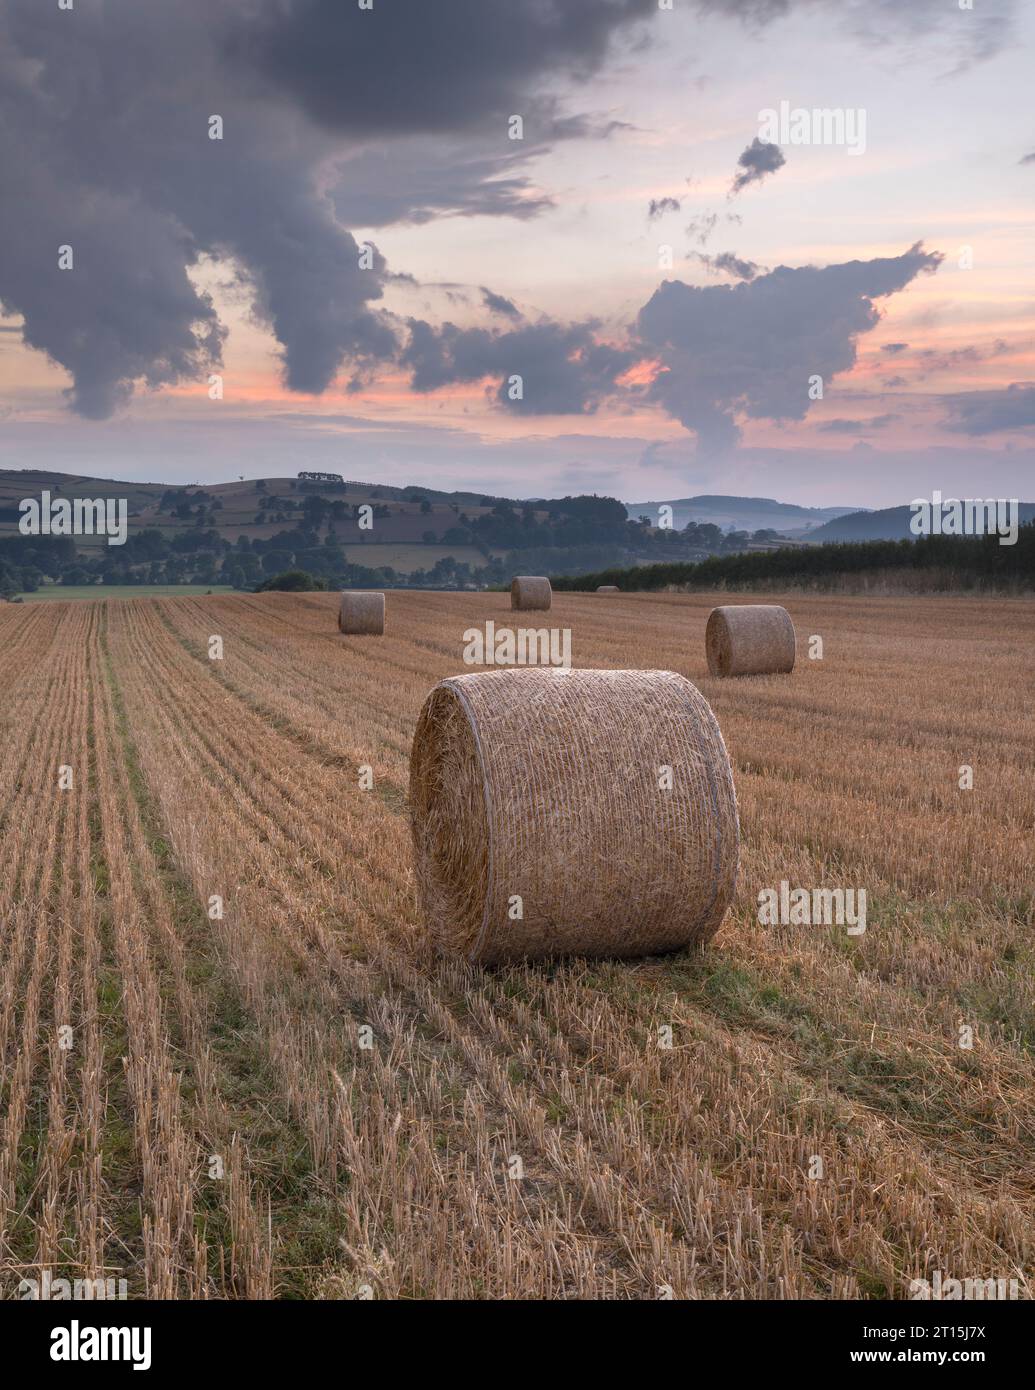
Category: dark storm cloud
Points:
column 410, row 65
column 140, row 83
column 751, row 348
column 564, row 368
column 985, row 412
column 125, row 311
column 758, row 160
column 104, row 146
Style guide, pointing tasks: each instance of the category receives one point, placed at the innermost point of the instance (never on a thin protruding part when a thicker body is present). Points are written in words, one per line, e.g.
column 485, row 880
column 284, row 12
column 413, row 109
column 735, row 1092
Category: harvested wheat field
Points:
column 233, row 1065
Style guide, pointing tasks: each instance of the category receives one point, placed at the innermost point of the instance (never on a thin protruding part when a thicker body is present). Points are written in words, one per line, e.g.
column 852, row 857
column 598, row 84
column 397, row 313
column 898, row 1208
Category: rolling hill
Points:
column 887, row 524
column 742, row 513
column 413, row 528
column 408, row 530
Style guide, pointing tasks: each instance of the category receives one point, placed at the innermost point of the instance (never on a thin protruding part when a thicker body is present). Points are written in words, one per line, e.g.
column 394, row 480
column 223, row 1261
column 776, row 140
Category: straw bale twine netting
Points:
column 607, row 589
column 530, row 591
column 749, row 639
column 551, row 787
column 361, row 614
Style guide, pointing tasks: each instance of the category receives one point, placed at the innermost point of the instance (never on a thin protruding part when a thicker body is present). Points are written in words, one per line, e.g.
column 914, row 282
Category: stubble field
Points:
column 233, row 1067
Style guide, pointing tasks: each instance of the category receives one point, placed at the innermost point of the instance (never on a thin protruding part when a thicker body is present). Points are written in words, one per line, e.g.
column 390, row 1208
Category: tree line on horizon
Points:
column 964, row 562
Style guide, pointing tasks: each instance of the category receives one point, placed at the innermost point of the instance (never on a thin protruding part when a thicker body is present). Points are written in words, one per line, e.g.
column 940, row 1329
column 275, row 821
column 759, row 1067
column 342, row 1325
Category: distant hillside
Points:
column 259, row 508
column 347, row 533
column 742, row 513
column 211, row 532
column 888, row 524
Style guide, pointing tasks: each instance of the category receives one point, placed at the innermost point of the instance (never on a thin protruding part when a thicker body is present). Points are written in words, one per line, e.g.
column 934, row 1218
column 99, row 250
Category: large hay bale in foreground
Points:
column 361, row 613
column 608, row 589
column 530, row 591
column 602, row 801
column 749, row 639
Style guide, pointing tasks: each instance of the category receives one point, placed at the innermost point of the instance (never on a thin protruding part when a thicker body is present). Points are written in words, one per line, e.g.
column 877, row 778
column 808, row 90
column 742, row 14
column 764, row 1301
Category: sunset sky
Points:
column 900, row 274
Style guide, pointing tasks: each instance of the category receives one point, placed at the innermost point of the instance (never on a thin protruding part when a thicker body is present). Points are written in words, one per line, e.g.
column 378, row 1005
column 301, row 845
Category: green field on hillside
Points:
column 96, row 591
column 406, row 557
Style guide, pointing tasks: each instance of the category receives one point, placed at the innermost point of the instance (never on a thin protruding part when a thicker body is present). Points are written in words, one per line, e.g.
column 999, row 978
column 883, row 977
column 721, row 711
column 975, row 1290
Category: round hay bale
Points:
column 543, row 819
column 530, row 591
column 608, row 589
column 361, row 613
column 749, row 639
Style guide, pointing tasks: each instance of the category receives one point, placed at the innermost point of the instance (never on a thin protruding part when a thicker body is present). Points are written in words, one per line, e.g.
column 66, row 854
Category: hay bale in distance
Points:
column 529, row 591
column 548, row 787
column 608, row 589
column 361, row 613
column 749, row 639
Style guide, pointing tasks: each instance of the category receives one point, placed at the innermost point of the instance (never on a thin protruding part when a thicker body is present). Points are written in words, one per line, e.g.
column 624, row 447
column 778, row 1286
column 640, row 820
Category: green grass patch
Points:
column 65, row 592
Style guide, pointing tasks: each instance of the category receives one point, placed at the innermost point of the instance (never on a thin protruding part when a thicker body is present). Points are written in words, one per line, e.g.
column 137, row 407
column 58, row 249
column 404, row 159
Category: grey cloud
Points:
column 163, row 195
column 758, row 160
column 499, row 304
column 945, row 359
column 894, row 348
column 104, row 146
column 729, row 263
column 701, row 227
column 659, row 206
column 841, row 426
column 417, row 179
column 752, row 347
column 986, row 412
column 933, row 28
column 921, row 26
column 1027, row 158
column 933, row 360
column 126, row 310
column 748, row 348
column 584, row 127
column 565, row 369
column 411, row 65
